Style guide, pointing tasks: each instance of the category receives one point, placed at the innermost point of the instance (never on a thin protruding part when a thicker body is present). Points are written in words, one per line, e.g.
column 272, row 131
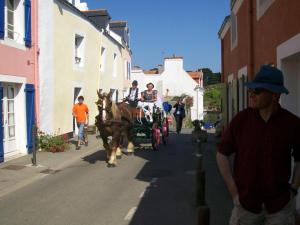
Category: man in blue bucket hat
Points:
column 263, row 137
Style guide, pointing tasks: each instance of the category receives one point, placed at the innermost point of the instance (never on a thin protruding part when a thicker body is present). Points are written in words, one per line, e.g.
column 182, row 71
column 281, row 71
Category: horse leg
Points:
column 113, row 156
column 119, row 150
column 106, row 147
column 119, row 153
column 130, row 146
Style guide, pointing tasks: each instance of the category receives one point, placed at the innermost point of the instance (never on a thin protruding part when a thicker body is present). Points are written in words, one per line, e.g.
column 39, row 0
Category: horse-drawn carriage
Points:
column 122, row 122
column 151, row 123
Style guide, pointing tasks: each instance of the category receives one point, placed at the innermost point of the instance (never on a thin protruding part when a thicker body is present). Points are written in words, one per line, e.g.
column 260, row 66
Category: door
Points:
column 9, row 118
column 77, row 93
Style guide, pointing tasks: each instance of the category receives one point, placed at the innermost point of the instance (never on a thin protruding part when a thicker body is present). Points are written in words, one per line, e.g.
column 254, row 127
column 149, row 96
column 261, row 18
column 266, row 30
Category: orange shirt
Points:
column 80, row 112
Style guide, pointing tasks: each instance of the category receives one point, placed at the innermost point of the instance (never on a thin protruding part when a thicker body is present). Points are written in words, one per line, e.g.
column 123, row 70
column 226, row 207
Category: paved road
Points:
column 217, row 196
column 150, row 188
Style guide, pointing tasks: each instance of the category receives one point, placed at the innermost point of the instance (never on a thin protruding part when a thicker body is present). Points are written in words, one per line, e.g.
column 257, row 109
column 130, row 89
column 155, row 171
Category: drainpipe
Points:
column 251, row 41
column 36, row 52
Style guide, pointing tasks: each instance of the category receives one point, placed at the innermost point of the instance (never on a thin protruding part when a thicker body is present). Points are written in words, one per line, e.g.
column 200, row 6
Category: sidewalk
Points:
column 216, row 194
column 18, row 173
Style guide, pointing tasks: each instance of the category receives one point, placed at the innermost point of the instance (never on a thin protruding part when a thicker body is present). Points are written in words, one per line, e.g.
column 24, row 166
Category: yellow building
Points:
column 78, row 56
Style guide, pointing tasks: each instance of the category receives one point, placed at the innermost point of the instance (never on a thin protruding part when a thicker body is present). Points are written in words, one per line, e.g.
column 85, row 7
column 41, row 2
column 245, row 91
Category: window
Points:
column 14, row 20
column 115, row 65
column 10, row 19
column 128, row 70
column 262, row 7
column 242, row 90
column 234, row 32
column 103, row 59
column 79, row 50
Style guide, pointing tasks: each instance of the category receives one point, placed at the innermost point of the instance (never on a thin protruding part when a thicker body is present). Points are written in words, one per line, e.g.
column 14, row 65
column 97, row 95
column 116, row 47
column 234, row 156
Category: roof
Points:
column 194, row 74
column 173, row 57
column 117, row 24
column 232, row 2
column 225, row 21
column 151, row 72
column 97, row 12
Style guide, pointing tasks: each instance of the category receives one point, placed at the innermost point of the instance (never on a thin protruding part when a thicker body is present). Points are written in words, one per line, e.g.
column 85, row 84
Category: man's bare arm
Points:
column 225, row 170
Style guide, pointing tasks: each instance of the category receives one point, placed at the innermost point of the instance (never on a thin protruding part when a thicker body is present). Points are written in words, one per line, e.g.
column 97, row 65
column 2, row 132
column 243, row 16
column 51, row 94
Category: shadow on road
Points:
column 95, row 157
column 170, row 196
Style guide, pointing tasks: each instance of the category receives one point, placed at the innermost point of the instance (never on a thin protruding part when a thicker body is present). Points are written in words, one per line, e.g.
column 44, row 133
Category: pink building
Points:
column 18, row 76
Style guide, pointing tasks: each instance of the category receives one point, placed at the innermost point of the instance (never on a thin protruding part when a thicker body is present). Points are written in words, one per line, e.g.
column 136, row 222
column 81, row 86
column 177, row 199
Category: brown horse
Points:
column 114, row 120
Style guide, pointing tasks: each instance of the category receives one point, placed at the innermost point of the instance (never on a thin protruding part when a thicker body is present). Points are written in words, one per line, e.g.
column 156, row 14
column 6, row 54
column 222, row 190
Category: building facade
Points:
column 79, row 55
column 18, row 76
column 256, row 33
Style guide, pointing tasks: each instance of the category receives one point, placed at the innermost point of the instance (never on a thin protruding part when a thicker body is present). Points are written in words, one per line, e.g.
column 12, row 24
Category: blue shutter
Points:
column 2, row 19
column 30, row 115
column 27, row 38
column 1, row 126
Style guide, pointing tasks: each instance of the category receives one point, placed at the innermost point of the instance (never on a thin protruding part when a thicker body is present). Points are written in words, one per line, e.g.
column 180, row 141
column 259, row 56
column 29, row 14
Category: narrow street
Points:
column 150, row 188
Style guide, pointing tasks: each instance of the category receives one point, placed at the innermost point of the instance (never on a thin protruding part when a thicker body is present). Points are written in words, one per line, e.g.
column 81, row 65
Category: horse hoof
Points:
column 111, row 165
column 119, row 157
column 130, row 153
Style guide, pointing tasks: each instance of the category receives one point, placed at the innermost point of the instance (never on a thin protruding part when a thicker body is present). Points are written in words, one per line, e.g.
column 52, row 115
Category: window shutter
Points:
column 1, row 19
column 27, row 37
column 30, row 114
column 1, row 127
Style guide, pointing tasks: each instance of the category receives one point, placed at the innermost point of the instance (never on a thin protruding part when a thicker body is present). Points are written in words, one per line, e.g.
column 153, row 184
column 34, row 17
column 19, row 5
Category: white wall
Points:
column 291, row 70
column 46, row 77
column 174, row 78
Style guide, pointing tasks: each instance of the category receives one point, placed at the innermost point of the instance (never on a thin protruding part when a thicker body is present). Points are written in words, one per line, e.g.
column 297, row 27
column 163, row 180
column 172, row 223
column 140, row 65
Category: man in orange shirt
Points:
column 81, row 113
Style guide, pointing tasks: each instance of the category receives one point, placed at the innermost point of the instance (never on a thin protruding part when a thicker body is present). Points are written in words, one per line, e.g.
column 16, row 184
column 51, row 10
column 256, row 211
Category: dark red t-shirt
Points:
column 262, row 163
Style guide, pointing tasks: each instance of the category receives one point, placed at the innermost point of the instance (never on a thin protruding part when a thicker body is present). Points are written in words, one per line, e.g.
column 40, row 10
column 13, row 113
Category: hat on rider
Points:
column 135, row 83
column 150, row 84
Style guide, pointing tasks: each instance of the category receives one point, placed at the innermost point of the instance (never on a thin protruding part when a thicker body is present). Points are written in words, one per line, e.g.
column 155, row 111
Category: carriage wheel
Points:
column 165, row 131
column 155, row 138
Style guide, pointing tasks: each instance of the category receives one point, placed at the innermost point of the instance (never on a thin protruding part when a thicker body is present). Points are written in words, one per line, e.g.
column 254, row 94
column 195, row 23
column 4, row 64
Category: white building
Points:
column 172, row 80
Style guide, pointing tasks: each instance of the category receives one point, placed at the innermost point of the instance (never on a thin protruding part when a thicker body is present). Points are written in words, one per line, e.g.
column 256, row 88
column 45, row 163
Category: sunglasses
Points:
column 256, row 91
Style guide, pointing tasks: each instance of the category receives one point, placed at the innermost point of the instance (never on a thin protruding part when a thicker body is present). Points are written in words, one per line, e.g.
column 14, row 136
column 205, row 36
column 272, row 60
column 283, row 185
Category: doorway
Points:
column 9, row 119
column 291, row 70
column 77, row 93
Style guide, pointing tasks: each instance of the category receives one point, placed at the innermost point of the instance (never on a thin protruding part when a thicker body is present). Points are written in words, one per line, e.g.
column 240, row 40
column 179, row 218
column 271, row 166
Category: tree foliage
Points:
column 209, row 77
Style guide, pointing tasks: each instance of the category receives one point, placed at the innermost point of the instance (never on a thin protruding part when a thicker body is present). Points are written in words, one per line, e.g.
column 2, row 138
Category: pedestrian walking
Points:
column 81, row 114
column 263, row 137
column 179, row 114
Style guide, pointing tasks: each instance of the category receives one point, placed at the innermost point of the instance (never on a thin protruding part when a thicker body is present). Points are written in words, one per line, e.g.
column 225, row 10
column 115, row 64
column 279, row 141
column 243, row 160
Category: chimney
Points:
column 100, row 17
column 171, row 63
column 160, row 68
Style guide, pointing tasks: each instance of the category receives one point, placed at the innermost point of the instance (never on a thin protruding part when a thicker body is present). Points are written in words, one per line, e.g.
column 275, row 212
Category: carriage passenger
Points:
column 133, row 95
column 148, row 100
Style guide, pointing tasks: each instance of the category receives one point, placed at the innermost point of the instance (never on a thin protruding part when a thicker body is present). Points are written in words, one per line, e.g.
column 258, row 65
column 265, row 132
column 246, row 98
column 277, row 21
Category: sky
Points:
column 160, row 28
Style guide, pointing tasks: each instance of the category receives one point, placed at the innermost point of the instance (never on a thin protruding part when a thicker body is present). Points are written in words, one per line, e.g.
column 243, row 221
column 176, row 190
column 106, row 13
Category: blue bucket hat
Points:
column 269, row 78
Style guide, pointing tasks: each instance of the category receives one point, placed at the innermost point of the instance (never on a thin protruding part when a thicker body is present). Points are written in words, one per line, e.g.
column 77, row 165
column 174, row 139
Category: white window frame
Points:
column 243, row 73
column 230, row 97
column 103, row 58
column 235, row 42
column 79, row 54
column 262, row 8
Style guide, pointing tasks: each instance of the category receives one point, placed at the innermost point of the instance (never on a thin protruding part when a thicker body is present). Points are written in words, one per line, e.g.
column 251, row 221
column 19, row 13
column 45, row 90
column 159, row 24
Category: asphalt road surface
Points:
column 149, row 188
